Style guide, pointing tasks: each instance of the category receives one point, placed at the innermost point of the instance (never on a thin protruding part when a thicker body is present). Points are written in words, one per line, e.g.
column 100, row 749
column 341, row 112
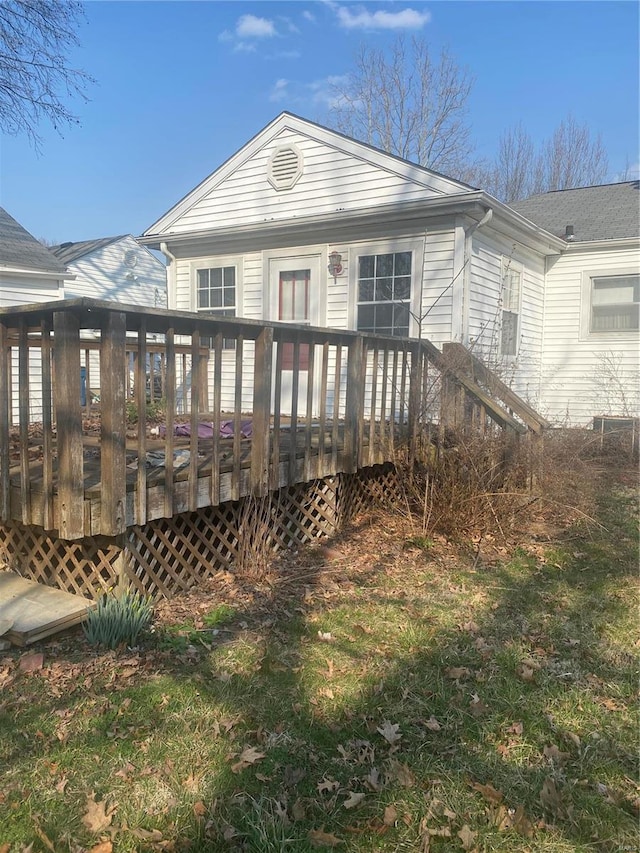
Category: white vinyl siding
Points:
column 23, row 290
column 103, row 274
column 586, row 374
column 330, row 181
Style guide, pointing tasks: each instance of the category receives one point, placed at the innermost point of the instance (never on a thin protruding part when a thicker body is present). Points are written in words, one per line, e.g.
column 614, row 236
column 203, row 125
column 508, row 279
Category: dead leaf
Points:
column 199, row 809
column 401, row 773
column 521, row 823
column 353, row 800
column 471, row 627
column 372, row 779
column 390, row 732
column 432, row 724
column 102, row 847
column 525, row 672
column 515, row 729
column 298, row 811
column 320, row 838
column 490, row 794
column 550, row 796
column 477, row 706
column 147, row 834
column 98, row 815
column 31, row 662
column 248, row 756
column 458, row 672
column 325, row 636
column 467, row 837
column 390, row 816
column 554, row 755
column 327, row 785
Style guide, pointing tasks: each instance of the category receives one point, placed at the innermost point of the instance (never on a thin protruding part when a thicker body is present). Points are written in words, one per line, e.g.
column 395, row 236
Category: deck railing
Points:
column 315, row 401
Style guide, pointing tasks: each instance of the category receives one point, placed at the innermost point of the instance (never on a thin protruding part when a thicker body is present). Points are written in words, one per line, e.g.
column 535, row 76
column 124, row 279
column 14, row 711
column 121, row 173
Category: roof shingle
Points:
column 19, row 249
column 605, row 212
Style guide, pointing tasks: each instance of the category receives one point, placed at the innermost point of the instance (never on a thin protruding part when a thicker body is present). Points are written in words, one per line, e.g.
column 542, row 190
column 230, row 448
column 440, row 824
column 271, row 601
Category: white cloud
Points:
column 279, row 91
column 250, row 26
column 309, row 16
column 361, row 19
column 317, row 93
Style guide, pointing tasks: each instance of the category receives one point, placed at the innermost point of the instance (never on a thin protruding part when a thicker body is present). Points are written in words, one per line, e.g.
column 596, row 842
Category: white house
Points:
column 306, row 225
column 590, row 347
column 114, row 268
column 29, row 272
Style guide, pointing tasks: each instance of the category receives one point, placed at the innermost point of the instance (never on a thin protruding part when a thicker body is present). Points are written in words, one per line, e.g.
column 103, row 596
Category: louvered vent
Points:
column 285, row 167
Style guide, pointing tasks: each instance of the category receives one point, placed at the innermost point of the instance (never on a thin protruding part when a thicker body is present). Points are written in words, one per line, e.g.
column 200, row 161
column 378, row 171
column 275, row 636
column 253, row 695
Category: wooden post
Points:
column 196, row 387
column 5, row 391
column 354, row 409
column 113, row 432
column 262, row 377
column 170, row 394
column 48, row 521
column 23, row 420
column 141, row 404
column 66, row 328
column 415, row 395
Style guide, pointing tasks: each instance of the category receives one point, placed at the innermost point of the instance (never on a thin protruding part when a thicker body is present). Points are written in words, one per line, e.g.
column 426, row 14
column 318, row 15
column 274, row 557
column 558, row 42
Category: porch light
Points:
column 335, row 264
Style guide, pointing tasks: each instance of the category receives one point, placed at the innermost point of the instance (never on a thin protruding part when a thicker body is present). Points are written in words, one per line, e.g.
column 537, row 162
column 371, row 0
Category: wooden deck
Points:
column 321, row 402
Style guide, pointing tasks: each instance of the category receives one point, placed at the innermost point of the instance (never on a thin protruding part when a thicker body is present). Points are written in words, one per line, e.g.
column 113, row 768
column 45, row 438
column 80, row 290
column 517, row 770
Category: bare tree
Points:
column 408, row 104
column 571, row 157
column 36, row 80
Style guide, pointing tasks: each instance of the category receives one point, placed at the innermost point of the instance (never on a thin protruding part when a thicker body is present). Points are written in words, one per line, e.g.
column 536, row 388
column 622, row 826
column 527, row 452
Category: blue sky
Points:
column 182, row 85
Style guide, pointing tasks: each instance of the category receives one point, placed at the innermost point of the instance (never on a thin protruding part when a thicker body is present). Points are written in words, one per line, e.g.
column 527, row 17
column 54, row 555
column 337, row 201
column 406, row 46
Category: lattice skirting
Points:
column 169, row 555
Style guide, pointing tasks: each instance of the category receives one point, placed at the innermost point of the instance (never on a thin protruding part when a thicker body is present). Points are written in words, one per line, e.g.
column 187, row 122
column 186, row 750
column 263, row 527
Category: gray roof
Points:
column 605, row 212
column 69, row 252
column 20, row 249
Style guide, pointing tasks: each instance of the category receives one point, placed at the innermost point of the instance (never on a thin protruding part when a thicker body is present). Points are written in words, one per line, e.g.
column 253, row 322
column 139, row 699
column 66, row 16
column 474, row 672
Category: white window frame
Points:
column 586, row 332
column 507, row 267
column 388, row 247
column 215, row 263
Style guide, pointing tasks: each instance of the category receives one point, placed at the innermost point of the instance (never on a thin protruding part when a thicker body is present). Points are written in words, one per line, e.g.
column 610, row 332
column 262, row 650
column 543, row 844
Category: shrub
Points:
column 118, row 619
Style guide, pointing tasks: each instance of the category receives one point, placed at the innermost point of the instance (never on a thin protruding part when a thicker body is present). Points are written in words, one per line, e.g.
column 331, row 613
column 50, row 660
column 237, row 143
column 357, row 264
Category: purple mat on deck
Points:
column 205, row 430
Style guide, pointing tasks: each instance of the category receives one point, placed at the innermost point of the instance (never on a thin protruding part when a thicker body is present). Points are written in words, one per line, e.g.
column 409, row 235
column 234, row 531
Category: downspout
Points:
column 466, row 276
column 171, row 276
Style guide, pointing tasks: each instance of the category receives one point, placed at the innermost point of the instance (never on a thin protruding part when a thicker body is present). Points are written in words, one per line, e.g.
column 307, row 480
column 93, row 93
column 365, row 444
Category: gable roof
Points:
column 20, row 250
column 69, row 252
column 431, row 181
column 604, row 212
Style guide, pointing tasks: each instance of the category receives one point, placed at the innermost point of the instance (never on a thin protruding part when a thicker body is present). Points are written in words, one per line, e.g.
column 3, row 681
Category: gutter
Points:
column 171, row 275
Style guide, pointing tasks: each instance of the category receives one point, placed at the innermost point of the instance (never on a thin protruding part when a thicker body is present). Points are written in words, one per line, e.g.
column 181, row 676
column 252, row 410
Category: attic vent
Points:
column 285, row 167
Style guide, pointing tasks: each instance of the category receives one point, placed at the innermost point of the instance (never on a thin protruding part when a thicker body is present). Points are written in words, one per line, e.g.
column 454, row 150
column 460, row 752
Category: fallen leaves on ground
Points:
column 98, row 815
column 320, row 838
column 249, row 755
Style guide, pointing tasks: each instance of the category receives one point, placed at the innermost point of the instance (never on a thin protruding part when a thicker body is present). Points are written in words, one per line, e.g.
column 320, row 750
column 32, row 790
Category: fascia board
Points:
column 21, row 272
column 286, row 121
column 400, row 213
column 599, row 245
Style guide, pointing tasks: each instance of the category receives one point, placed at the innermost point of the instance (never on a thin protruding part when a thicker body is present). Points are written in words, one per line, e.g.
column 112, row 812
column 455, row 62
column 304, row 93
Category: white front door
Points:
column 294, row 297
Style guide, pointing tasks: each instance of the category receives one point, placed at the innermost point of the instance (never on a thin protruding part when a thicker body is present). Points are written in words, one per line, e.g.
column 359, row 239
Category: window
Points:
column 511, row 288
column 615, row 303
column 384, row 293
column 293, row 301
column 216, row 294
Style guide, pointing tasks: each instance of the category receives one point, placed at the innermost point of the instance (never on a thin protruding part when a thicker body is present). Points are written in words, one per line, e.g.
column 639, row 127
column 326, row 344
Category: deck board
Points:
column 34, row 611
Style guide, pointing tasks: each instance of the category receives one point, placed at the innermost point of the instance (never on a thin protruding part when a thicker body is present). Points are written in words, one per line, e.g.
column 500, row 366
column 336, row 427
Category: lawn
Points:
column 385, row 691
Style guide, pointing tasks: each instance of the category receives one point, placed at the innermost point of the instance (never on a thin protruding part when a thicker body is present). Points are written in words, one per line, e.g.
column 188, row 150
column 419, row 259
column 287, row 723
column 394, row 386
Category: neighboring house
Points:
column 29, row 272
column 306, row 225
column 590, row 347
column 114, row 268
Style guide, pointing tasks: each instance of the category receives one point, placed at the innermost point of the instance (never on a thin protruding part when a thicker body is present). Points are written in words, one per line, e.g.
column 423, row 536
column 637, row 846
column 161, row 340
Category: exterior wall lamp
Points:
column 335, row 265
